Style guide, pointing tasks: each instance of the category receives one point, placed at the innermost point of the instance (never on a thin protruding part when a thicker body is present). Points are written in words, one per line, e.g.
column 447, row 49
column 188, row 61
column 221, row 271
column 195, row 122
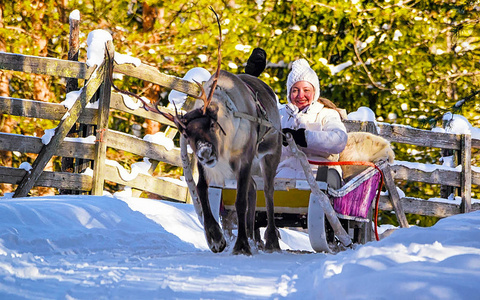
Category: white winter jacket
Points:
column 325, row 134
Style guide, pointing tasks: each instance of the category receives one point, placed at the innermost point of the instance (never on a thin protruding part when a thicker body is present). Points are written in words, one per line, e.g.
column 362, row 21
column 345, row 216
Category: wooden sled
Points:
column 308, row 203
column 297, row 206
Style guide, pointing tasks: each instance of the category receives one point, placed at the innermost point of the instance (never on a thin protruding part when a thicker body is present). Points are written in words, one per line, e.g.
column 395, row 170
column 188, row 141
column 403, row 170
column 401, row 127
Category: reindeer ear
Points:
column 180, row 125
column 212, row 112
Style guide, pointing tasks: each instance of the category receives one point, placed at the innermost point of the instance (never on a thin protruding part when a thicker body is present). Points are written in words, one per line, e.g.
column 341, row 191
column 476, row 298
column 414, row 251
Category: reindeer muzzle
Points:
column 206, row 154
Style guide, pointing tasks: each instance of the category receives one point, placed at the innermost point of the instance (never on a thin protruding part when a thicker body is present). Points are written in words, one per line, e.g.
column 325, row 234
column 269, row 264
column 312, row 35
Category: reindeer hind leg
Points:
column 241, row 205
column 252, row 232
column 269, row 163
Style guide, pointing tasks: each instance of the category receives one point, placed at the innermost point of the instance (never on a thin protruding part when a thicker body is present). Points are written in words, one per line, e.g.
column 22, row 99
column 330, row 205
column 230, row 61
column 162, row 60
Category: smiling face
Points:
column 302, row 94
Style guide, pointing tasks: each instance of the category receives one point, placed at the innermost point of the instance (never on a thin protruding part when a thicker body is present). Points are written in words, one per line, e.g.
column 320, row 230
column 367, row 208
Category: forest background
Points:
column 409, row 61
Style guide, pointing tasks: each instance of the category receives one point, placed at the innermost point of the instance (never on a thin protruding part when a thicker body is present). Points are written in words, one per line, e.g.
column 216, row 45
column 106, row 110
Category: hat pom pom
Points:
column 301, row 63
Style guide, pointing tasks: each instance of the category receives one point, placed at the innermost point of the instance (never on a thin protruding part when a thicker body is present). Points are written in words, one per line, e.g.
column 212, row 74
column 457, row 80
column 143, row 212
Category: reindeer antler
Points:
column 217, row 73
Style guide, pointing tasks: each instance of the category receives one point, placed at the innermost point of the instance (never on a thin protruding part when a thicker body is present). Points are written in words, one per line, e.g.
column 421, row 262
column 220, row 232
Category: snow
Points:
column 363, row 113
column 126, row 59
column 47, row 136
column 429, row 167
column 131, row 103
column 159, row 138
column 104, row 247
column 458, row 124
column 396, row 35
column 338, row 68
column 176, row 98
column 137, row 168
column 96, row 41
column 26, row 166
column 84, row 140
column 75, row 15
column 70, row 98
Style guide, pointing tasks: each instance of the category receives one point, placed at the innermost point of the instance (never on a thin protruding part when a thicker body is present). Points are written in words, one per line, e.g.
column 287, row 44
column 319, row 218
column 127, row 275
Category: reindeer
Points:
column 236, row 127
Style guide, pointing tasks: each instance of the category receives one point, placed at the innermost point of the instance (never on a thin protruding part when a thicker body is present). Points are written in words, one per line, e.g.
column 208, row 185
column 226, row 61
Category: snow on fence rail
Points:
column 97, row 80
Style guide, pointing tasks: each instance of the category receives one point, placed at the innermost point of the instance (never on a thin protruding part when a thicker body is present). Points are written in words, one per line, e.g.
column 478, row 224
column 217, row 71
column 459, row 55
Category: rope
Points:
column 358, row 163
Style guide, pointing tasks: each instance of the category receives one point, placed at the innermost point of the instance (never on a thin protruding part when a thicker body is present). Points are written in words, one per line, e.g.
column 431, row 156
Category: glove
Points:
column 298, row 136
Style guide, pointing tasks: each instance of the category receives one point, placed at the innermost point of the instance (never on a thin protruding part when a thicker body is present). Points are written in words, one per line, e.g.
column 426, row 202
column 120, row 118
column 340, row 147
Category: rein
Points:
column 358, row 163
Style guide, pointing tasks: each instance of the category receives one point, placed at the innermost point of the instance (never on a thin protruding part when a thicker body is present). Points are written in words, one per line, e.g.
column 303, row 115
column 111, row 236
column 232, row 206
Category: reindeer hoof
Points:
column 242, row 247
column 217, row 247
column 271, row 238
column 216, row 241
column 272, row 247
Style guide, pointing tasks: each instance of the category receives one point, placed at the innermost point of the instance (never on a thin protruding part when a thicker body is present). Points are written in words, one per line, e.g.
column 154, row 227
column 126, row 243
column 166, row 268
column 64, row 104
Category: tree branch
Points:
column 372, row 80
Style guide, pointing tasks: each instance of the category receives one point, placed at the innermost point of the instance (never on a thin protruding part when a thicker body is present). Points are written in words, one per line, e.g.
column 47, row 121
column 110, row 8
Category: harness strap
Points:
column 251, row 118
column 261, row 118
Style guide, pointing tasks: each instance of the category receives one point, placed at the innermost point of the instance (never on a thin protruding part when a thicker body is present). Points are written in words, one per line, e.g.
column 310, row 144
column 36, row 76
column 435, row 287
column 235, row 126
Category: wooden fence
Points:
column 462, row 178
column 97, row 87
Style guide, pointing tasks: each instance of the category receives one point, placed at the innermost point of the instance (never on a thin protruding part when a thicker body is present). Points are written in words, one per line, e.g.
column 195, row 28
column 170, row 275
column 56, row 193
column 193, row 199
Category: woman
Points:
column 314, row 122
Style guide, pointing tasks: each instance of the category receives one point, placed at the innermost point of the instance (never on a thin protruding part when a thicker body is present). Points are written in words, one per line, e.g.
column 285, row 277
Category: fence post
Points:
column 68, row 163
column 102, row 128
column 466, row 184
column 445, row 190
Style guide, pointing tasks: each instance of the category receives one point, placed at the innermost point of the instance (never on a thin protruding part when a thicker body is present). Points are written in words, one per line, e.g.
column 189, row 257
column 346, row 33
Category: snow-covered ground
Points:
column 91, row 247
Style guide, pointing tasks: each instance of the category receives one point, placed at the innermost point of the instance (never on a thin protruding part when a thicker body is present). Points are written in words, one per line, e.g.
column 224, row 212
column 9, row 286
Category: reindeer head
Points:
column 202, row 130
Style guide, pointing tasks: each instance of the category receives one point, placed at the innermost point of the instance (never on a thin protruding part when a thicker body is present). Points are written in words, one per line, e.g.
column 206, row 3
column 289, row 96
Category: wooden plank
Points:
column 426, row 138
column 151, row 74
column 475, row 178
column 102, row 127
column 424, row 207
column 149, row 184
column 60, row 133
column 410, row 135
column 132, row 144
column 171, row 132
column 118, row 104
column 438, row 176
column 44, row 65
column 475, row 143
column 31, row 144
column 59, row 180
column 42, row 110
column 362, row 126
column 466, row 182
column 394, row 197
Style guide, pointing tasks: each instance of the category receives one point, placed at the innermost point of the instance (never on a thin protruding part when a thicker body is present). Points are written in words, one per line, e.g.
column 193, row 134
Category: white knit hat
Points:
column 301, row 71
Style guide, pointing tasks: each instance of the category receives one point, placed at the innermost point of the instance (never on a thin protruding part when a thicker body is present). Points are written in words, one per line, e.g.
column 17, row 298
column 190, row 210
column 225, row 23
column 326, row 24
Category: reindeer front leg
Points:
column 213, row 232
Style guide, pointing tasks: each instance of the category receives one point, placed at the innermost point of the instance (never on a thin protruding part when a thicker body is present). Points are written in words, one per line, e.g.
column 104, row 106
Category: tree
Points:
column 406, row 60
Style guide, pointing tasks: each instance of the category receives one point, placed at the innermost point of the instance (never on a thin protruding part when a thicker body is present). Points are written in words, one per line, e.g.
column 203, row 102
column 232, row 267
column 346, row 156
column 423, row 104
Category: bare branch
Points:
column 372, row 80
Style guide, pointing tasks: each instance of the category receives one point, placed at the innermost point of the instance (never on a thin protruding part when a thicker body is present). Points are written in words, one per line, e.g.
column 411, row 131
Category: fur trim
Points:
column 364, row 146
